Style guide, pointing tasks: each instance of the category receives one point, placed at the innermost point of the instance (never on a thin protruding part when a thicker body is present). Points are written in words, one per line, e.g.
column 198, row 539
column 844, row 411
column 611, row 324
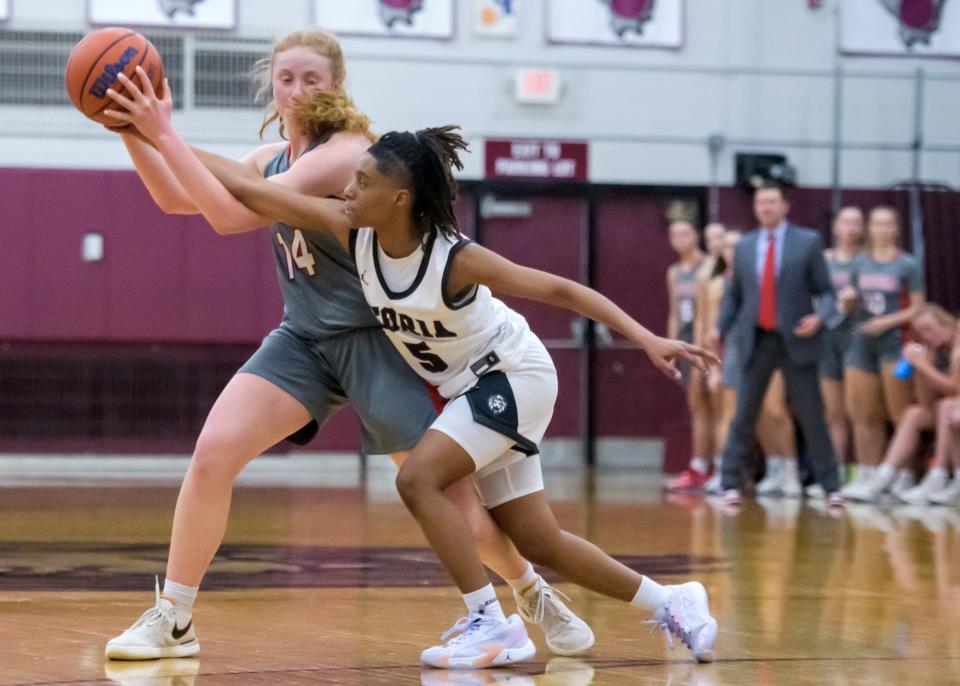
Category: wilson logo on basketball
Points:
column 110, row 73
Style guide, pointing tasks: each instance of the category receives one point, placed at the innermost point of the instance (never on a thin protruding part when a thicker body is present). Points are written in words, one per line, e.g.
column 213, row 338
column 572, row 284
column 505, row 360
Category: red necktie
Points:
column 768, row 287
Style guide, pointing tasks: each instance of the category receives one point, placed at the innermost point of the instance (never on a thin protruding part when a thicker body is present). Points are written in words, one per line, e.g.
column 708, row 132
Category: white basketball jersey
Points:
column 449, row 342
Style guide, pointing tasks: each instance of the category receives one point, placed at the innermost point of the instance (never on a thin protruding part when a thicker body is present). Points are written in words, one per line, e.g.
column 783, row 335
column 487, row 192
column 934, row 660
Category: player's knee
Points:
column 412, row 484
column 485, row 534
column 213, row 456
column 913, row 415
column 946, row 407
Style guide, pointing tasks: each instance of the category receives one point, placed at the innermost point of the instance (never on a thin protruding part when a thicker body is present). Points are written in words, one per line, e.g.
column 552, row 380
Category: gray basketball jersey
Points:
column 884, row 285
column 841, row 274
column 685, row 293
column 321, row 290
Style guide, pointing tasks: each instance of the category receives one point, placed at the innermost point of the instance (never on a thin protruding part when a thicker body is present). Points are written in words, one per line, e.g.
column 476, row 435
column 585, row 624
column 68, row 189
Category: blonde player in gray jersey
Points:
column 318, row 358
column 498, row 377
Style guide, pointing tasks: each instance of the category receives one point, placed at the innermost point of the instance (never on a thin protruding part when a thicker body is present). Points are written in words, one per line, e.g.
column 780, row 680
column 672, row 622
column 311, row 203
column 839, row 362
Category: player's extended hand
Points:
column 664, row 353
column 874, row 326
column 847, row 299
column 915, row 353
column 808, row 326
column 144, row 109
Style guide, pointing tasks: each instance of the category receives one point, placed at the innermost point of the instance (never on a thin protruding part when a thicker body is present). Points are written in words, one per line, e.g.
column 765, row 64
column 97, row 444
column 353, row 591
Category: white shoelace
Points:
column 540, row 610
column 671, row 626
column 154, row 614
column 464, row 626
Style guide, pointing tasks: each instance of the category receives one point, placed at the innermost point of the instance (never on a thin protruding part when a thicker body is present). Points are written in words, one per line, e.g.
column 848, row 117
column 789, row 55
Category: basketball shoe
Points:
column 480, row 642
column 686, row 615
column 688, row 480
column 934, row 480
column 156, row 634
column 565, row 633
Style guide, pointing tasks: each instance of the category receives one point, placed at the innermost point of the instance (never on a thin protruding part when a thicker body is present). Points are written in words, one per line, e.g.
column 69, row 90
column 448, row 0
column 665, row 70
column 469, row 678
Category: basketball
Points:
column 98, row 59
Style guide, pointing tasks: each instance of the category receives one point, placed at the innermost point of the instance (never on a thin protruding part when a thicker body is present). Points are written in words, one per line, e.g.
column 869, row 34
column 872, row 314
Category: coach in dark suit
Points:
column 768, row 313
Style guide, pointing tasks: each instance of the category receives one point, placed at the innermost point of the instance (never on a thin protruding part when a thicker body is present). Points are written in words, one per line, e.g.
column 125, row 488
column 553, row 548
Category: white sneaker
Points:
column 948, row 495
column 790, row 480
column 479, row 642
column 686, row 615
column 815, row 492
column 714, row 485
column 156, row 634
column 862, row 475
column 870, row 489
column 904, row 482
column 772, row 482
column 933, row 481
column 565, row 633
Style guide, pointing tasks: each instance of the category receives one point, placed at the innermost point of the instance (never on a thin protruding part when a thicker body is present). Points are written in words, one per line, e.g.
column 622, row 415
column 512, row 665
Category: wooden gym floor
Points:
column 336, row 586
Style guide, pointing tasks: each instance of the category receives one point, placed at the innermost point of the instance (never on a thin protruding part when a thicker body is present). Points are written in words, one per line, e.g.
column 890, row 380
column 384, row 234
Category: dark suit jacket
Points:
column 803, row 277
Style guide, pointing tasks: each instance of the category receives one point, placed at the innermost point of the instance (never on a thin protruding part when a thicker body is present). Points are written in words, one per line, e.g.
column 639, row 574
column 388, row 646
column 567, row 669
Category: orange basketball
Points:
column 96, row 61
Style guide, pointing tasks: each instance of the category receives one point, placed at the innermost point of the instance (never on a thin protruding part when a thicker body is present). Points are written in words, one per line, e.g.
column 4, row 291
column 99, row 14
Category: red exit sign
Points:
column 536, row 159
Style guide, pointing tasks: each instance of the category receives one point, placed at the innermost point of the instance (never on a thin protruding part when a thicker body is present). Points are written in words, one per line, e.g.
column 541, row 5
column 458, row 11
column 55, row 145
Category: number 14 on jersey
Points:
column 298, row 253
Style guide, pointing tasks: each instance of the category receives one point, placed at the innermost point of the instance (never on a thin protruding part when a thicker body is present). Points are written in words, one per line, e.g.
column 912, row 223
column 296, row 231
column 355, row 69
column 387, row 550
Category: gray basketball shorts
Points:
column 868, row 353
column 360, row 367
column 836, row 342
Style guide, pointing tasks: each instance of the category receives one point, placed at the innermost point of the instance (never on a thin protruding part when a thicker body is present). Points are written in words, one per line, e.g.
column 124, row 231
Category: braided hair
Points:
column 424, row 162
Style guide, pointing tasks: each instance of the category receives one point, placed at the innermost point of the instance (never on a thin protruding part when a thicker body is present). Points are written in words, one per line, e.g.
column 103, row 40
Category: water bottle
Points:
column 903, row 370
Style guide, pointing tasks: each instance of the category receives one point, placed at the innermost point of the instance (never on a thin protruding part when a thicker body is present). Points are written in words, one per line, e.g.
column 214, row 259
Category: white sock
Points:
column 181, row 596
column 700, row 465
column 526, row 581
column 484, row 601
column 651, row 595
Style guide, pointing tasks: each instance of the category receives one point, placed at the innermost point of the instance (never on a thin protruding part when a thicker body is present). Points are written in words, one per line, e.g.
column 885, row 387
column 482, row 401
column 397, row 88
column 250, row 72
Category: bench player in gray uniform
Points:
column 848, row 234
column 887, row 291
column 327, row 350
column 683, row 285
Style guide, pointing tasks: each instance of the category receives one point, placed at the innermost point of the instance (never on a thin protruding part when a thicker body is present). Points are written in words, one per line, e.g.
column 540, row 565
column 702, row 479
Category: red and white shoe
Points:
column 688, row 480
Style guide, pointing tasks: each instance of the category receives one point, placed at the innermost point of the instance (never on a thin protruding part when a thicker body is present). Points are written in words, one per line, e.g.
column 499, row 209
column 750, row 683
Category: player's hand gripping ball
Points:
column 99, row 59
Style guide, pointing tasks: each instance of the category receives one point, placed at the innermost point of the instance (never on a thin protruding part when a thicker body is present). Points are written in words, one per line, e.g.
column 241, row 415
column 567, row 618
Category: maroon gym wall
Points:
column 171, row 287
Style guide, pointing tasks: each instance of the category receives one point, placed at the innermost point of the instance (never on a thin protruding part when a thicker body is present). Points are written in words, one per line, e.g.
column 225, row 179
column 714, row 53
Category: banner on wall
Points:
column 536, row 159
column 4, row 10
column 404, row 18
column 901, row 27
column 634, row 23
column 495, row 18
column 200, row 14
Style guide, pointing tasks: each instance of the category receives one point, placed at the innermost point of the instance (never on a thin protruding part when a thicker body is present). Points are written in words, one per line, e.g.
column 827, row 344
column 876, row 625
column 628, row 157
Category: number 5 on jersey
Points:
column 298, row 253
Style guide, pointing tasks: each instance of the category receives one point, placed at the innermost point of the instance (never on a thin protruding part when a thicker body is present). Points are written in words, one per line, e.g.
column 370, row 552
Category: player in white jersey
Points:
column 431, row 290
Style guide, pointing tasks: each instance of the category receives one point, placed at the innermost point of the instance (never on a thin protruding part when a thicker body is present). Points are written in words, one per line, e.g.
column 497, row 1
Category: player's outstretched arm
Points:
column 160, row 182
column 475, row 264
column 290, row 206
column 151, row 115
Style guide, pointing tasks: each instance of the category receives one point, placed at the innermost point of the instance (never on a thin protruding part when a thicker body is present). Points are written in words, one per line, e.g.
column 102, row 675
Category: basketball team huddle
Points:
column 389, row 307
